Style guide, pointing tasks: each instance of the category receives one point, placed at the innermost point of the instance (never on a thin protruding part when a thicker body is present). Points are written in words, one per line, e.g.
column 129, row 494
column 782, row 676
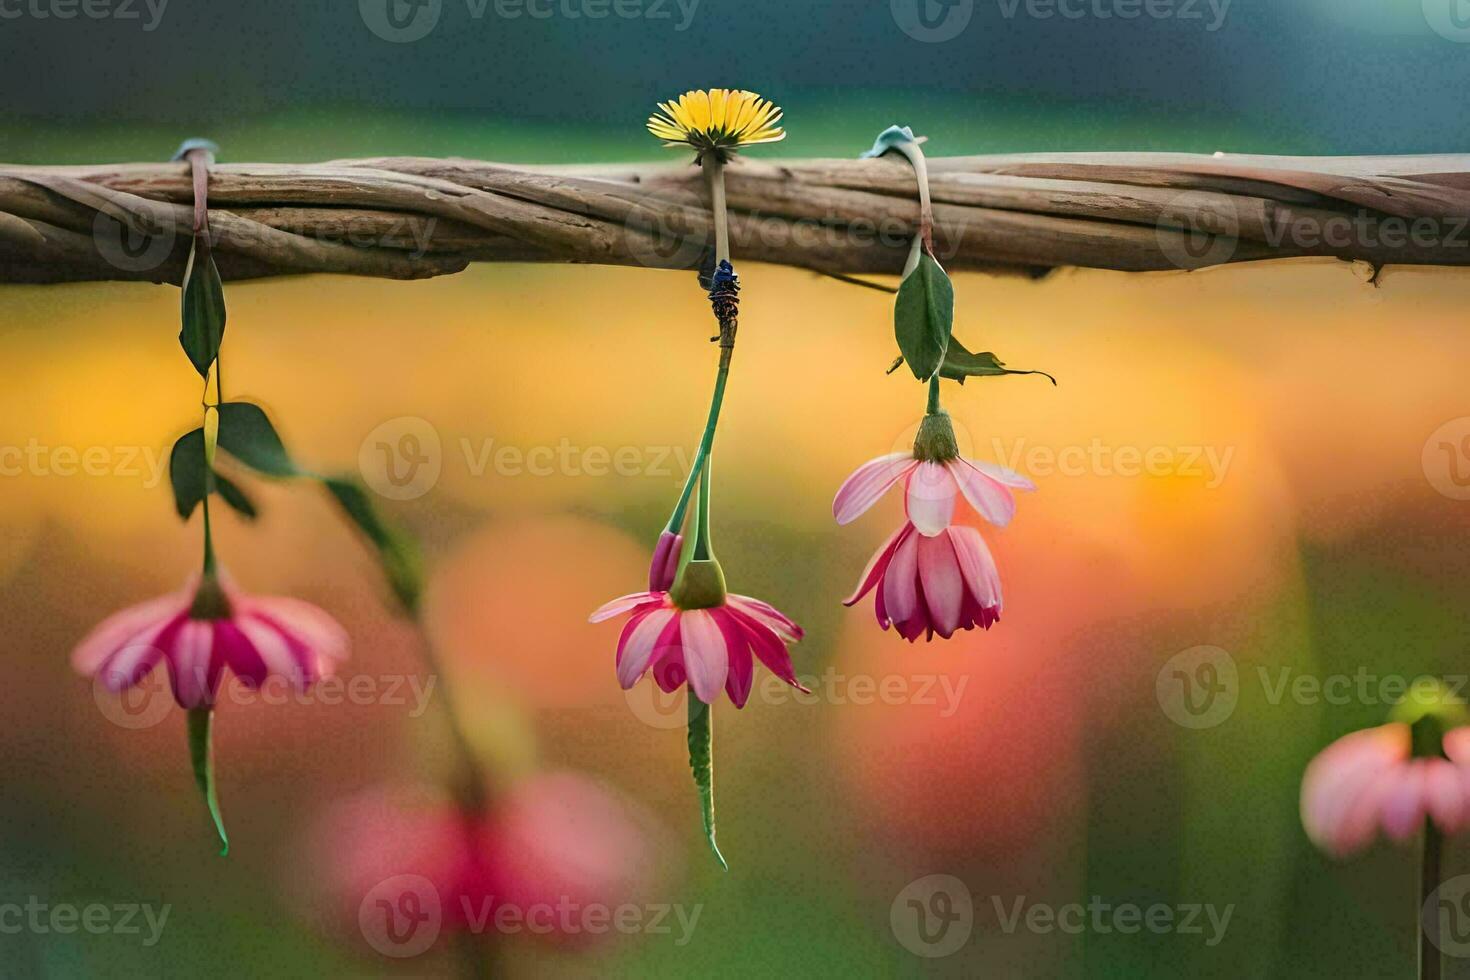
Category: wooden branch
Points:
column 409, row 217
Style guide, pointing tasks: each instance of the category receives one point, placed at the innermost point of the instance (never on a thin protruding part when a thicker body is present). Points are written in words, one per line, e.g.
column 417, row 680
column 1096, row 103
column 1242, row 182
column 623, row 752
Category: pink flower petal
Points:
column 623, row 604
column 742, row 666
column 900, row 591
column 868, row 483
column 1405, row 802
column 783, row 624
column 944, row 587
column 705, row 656
column 878, row 564
column 193, row 669
column 929, row 502
column 1444, row 792
column 122, row 629
column 989, row 496
column 639, row 640
column 1001, row 474
column 976, row 565
column 769, row 648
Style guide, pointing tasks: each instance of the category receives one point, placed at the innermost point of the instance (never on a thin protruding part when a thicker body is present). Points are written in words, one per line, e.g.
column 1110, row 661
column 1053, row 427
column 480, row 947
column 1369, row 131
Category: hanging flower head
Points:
column 933, row 475
column 708, row 647
column 202, row 629
column 1393, row 778
column 717, row 121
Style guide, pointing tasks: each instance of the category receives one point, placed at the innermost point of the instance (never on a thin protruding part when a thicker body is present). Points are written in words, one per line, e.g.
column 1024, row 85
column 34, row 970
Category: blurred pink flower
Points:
column 930, row 489
column 929, row 584
column 553, row 852
column 1369, row 781
column 205, row 627
column 710, row 648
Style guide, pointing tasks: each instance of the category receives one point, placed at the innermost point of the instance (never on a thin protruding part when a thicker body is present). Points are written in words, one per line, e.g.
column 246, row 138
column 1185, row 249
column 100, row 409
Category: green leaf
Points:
column 247, row 434
column 398, row 554
column 203, row 304
column 201, row 753
column 231, row 494
column 702, row 764
column 922, row 317
column 186, row 472
column 960, row 364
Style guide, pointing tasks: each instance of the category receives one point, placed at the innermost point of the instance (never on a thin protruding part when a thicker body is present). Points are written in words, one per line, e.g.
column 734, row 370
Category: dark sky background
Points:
column 1349, row 76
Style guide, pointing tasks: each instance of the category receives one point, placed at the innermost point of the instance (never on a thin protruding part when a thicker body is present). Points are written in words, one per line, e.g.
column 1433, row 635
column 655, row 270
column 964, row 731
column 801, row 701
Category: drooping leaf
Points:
column 203, row 309
column 702, row 764
column 922, row 317
column 398, row 554
column 186, row 472
column 960, row 364
column 201, row 754
column 231, row 494
column 247, row 434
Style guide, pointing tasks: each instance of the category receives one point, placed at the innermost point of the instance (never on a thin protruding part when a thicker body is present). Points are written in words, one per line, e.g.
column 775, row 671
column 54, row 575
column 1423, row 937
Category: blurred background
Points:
column 1262, row 469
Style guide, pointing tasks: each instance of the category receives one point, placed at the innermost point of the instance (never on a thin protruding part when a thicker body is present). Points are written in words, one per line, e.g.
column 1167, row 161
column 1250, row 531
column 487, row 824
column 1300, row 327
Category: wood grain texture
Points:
column 411, row 217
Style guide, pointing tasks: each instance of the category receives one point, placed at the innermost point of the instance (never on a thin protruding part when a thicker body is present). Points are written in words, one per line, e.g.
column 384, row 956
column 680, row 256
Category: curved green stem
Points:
column 706, row 443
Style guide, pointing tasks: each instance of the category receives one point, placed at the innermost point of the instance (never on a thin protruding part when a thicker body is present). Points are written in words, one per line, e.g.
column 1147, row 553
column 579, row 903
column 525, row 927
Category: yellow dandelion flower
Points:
column 717, row 120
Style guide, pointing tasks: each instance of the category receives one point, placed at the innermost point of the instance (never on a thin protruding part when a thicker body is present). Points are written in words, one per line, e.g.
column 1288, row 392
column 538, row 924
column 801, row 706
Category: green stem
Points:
column 1428, row 922
column 702, row 547
column 934, row 408
column 706, row 442
column 209, row 559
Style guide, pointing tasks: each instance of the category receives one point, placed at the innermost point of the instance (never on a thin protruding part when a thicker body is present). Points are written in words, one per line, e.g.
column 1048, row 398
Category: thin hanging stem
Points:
column 1428, row 921
column 702, row 547
column 209, row 485
column 934, row 408
column 715, row 170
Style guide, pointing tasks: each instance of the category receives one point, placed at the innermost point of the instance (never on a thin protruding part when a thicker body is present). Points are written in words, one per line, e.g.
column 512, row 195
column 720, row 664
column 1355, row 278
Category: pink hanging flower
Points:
column 205, row 627
column 930, row 489
column 1371, row 780
column 929, row 584
column 709, row 647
